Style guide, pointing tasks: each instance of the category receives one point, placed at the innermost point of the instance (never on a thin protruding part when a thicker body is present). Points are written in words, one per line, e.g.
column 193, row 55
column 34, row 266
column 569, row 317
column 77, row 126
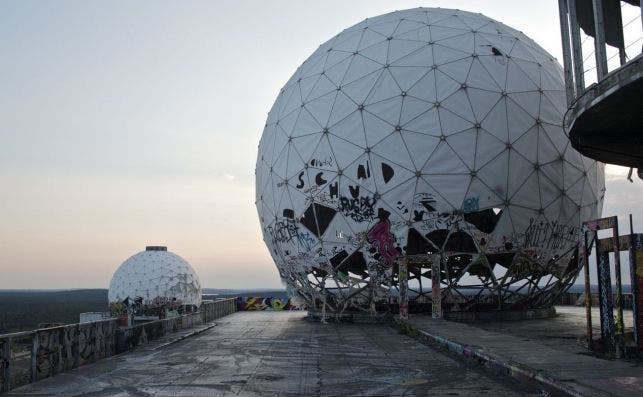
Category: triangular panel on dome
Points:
column 443, row 54
column 549, row 191
column 424, row 88
column 527, row 145
column 551, row 78
column 359, row 85
column 412, row 108
column 342, row 107
column 575, row 190
column 520, row 169
column 388, row 110
column 452, row 187
column 320, row 107
column 488, row 147
column 481, row 196
column 480, row 78
column 554, row 172
column 375, row 128
column 550, row 113
column 464, row 145
column 385, row 28
column 444, row 160
column 420, row 147
column 288, row 100
column 305, row 124
column 351, row 129
column 571, row 174
column 419, row 33
column 377, row 52
column 527, row 101
column 280, row 164
column 445, row 28
column 521, row 51
column 345, row 152
column 527, row 192
column 458, row 103
column 400, row 195
column 305, row 146
column 554, row 211
column 426, row 123
column 357, row 177
column 495, row 173
column 298, row 199
column 336, row 72
column 518, row 120
column 457, row 70
column 370, row 38
column 462, row 42
column 408, row 23
column 453, row 123
column 399, row 49
column 518, row 80
column 483, row 102
column 387, row 174
column 547, row 152
column 349, row 41
column 445, row 86
column 407, row 76
column 393, row 149
column 385, row 88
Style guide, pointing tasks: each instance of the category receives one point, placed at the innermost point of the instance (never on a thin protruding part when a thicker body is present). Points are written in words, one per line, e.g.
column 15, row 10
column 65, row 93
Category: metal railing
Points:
column 29, row 356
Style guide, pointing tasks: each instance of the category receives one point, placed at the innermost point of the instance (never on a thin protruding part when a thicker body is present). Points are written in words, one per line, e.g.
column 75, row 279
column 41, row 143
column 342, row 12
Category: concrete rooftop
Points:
column 281, row 354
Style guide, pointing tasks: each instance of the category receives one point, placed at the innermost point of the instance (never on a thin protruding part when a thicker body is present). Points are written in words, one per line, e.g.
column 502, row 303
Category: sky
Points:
column 125, row 124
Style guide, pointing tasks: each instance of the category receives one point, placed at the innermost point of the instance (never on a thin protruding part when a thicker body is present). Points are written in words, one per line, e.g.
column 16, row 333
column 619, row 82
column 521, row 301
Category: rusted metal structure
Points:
column 29, row 356
column 613, row 335
column 604, row 120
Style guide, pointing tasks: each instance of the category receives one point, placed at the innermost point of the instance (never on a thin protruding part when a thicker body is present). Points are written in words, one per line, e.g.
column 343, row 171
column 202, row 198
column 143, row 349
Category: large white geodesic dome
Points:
column 419, row 133
column 158, row 277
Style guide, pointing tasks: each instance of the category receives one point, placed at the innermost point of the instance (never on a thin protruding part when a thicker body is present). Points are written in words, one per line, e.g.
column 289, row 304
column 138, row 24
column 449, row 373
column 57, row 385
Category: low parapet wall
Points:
column 28, row 356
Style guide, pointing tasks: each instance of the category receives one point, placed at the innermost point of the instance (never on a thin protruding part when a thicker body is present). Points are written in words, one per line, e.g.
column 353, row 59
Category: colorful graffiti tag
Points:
column 252, row 303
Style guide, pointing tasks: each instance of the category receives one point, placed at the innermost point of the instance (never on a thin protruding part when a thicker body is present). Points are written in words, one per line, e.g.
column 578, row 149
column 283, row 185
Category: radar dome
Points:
column 431, row 135
column 155, row 277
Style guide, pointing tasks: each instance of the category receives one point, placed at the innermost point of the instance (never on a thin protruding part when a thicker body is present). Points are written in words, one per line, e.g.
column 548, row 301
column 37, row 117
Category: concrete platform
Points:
column 281, row 354
column 542, row 351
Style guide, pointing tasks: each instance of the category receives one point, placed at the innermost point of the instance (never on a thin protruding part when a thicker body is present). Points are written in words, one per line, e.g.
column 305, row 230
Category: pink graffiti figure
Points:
column 382, row 239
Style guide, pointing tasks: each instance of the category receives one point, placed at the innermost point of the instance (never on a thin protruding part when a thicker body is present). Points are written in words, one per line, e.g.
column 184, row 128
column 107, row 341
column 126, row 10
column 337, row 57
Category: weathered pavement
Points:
column 280, row 354
column 543, row 350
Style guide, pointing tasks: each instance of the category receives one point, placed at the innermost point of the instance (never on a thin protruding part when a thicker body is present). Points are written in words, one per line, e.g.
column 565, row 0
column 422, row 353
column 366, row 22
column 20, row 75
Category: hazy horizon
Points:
column 132, row 124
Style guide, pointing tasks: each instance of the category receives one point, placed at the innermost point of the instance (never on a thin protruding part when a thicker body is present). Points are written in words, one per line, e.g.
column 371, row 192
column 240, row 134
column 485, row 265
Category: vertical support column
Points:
column 636, row 270
column 7, row 364
column 577, row 48
column 436, row 295
column 588, row 291
column 617, row 274
column 567, row 53
column 403, row 287
column 606, row 304
column 35, row 344
column 599, row 41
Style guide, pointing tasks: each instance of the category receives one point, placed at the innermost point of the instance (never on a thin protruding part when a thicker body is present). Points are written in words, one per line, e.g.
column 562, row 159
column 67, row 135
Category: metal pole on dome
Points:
column 588, row 292
column 403, row 288
column 436, row 296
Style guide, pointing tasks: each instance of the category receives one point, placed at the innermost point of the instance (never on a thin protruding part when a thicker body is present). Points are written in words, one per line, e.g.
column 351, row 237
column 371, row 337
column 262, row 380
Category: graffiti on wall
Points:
column 252, row 303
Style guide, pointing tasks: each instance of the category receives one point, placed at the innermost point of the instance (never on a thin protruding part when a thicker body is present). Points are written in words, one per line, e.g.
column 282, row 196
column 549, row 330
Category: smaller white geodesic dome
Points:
column 157, row 276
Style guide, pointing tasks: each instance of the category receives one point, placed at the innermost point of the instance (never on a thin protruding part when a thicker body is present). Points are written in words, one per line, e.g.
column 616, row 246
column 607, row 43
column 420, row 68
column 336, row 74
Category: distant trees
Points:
column 24, row 310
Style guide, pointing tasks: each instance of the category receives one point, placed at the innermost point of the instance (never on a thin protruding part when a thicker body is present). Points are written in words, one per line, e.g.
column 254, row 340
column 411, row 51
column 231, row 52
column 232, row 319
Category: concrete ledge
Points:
column 500, row 315
column 494, row 363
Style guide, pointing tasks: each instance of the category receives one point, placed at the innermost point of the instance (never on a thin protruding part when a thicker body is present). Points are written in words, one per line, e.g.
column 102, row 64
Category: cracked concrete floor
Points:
column 280, row 354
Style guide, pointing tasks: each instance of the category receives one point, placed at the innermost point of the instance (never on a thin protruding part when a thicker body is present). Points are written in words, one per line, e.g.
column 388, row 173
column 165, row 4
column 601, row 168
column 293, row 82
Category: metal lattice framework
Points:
column 157, row 277
column 430, row 135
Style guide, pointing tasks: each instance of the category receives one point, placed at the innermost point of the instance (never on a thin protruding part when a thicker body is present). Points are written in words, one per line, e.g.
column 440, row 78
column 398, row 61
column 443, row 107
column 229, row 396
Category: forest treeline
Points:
column 22, row 310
